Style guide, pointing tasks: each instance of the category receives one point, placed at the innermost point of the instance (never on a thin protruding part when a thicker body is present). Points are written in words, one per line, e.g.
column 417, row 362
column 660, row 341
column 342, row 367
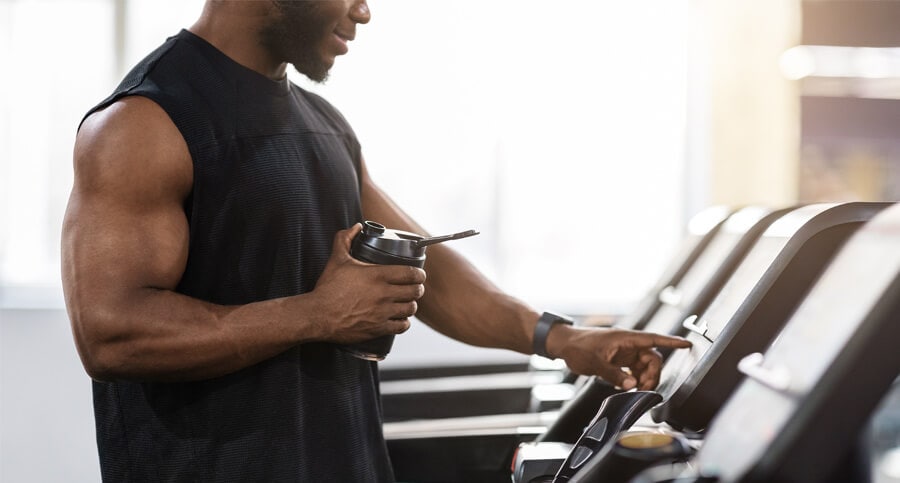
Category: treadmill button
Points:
column 579, row 456
column 597, row 430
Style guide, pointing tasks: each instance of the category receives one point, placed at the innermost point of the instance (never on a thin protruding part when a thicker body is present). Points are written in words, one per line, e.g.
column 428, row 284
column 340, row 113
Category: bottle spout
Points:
column 424, row 242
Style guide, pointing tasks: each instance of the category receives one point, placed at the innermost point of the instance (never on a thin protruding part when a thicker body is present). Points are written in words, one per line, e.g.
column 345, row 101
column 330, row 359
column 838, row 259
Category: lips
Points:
column 342, row 40
column 344, row 36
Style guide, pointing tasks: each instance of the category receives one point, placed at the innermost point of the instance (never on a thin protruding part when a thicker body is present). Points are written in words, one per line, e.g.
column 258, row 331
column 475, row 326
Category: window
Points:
column 55, row 69
column 557, row 130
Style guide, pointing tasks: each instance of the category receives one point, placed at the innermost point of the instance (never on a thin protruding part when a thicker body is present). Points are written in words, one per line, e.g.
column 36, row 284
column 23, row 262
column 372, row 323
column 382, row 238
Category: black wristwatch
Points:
column 544, row 324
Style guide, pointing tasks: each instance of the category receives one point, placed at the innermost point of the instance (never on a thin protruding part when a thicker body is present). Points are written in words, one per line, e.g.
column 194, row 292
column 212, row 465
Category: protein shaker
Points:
column 383, row 246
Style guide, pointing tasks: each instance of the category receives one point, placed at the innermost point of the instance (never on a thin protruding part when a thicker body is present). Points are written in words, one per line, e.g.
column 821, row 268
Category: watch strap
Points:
column 542, row 329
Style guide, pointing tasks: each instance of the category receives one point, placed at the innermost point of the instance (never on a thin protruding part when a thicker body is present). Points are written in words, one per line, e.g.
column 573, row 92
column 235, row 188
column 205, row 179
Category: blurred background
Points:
column 579, row 137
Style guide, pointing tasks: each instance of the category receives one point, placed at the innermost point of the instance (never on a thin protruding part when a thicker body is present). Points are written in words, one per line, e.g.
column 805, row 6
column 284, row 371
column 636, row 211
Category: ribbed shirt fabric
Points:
column 276, row 174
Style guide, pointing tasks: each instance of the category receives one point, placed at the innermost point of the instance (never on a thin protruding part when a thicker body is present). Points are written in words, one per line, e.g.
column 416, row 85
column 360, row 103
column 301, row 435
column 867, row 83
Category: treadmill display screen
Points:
column 723, row 308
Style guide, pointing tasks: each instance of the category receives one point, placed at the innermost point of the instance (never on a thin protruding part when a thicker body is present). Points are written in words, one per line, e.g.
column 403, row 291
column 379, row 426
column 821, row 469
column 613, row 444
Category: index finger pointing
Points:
column 658, row 340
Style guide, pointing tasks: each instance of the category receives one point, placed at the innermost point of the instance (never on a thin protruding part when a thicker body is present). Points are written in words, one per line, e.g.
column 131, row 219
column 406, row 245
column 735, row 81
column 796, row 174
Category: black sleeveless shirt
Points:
column 275, row 176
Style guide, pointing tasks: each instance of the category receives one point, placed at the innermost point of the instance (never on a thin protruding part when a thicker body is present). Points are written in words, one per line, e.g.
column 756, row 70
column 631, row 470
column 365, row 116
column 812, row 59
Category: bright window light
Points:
column 557, row 130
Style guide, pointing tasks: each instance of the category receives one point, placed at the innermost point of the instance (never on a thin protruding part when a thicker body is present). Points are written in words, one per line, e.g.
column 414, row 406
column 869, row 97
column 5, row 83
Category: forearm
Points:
column 154, row 334
column 462, row 303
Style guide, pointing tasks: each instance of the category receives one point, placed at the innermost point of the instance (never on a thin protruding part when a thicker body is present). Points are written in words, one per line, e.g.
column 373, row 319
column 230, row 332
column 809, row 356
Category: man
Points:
column 207, row 271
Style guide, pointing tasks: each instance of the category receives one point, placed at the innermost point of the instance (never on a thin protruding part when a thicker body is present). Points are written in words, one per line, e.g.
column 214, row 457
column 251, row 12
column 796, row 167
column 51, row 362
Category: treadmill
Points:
column 746, row 314
column 803, row 404
column 480, row 448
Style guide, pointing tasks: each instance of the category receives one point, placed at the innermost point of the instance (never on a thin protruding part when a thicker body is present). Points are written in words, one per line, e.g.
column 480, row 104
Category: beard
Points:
column 294, row 37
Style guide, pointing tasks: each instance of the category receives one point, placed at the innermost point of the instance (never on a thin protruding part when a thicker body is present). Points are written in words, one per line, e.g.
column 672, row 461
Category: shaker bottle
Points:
column 383, row 246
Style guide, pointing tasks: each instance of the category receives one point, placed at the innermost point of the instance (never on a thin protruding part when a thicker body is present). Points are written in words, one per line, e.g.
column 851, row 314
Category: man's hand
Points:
column 625, row 358
column 360, row 301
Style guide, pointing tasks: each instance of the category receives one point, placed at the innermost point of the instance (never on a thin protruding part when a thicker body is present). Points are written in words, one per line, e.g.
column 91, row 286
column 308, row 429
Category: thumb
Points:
column 344, row 238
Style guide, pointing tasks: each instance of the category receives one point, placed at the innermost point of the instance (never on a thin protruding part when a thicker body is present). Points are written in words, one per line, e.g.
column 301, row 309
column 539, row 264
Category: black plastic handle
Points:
column 617, row 413
column 577, row 413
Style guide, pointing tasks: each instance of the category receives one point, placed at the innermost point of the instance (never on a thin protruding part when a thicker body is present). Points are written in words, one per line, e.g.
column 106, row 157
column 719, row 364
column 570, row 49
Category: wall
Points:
column 752, row 122
column 46, row 417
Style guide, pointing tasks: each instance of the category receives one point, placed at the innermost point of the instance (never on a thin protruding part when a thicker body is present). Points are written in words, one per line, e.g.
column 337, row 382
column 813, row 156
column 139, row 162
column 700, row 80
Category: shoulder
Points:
column 136, row 80
column 326, row 109
column 132, row 141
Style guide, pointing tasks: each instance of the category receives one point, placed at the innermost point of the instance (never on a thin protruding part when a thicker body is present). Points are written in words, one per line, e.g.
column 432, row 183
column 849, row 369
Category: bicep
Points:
column 125, row 228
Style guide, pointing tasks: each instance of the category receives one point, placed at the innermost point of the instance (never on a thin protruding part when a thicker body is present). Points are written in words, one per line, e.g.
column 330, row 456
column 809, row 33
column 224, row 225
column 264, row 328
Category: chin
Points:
column 316, row 71
column 317, row 76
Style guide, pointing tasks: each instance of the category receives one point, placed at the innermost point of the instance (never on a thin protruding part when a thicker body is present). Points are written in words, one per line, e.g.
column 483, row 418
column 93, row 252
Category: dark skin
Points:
column 125, row 244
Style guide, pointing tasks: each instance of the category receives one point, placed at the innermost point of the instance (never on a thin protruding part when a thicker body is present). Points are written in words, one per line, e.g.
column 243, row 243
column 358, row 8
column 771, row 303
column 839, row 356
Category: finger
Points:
column 404, row 309
column 640, row 362
column 402, row 275
column 647, row 357
column 389, row 293
column 616, row 376
column 398, row 326
column 397, row 310
column 646, row 340
column 649, row 364
column 406, row 293
column 658, row 340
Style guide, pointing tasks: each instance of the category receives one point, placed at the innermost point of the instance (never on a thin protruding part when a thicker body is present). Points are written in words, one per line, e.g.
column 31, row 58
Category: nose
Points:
column 360, row 13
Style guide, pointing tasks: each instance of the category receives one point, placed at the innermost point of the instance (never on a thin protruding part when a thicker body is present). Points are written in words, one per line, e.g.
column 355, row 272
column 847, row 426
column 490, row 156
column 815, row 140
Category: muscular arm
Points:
column 124, row 249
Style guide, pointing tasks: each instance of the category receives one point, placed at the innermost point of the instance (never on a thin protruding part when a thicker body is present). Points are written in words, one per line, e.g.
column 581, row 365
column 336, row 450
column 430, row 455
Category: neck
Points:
column 233, row 28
